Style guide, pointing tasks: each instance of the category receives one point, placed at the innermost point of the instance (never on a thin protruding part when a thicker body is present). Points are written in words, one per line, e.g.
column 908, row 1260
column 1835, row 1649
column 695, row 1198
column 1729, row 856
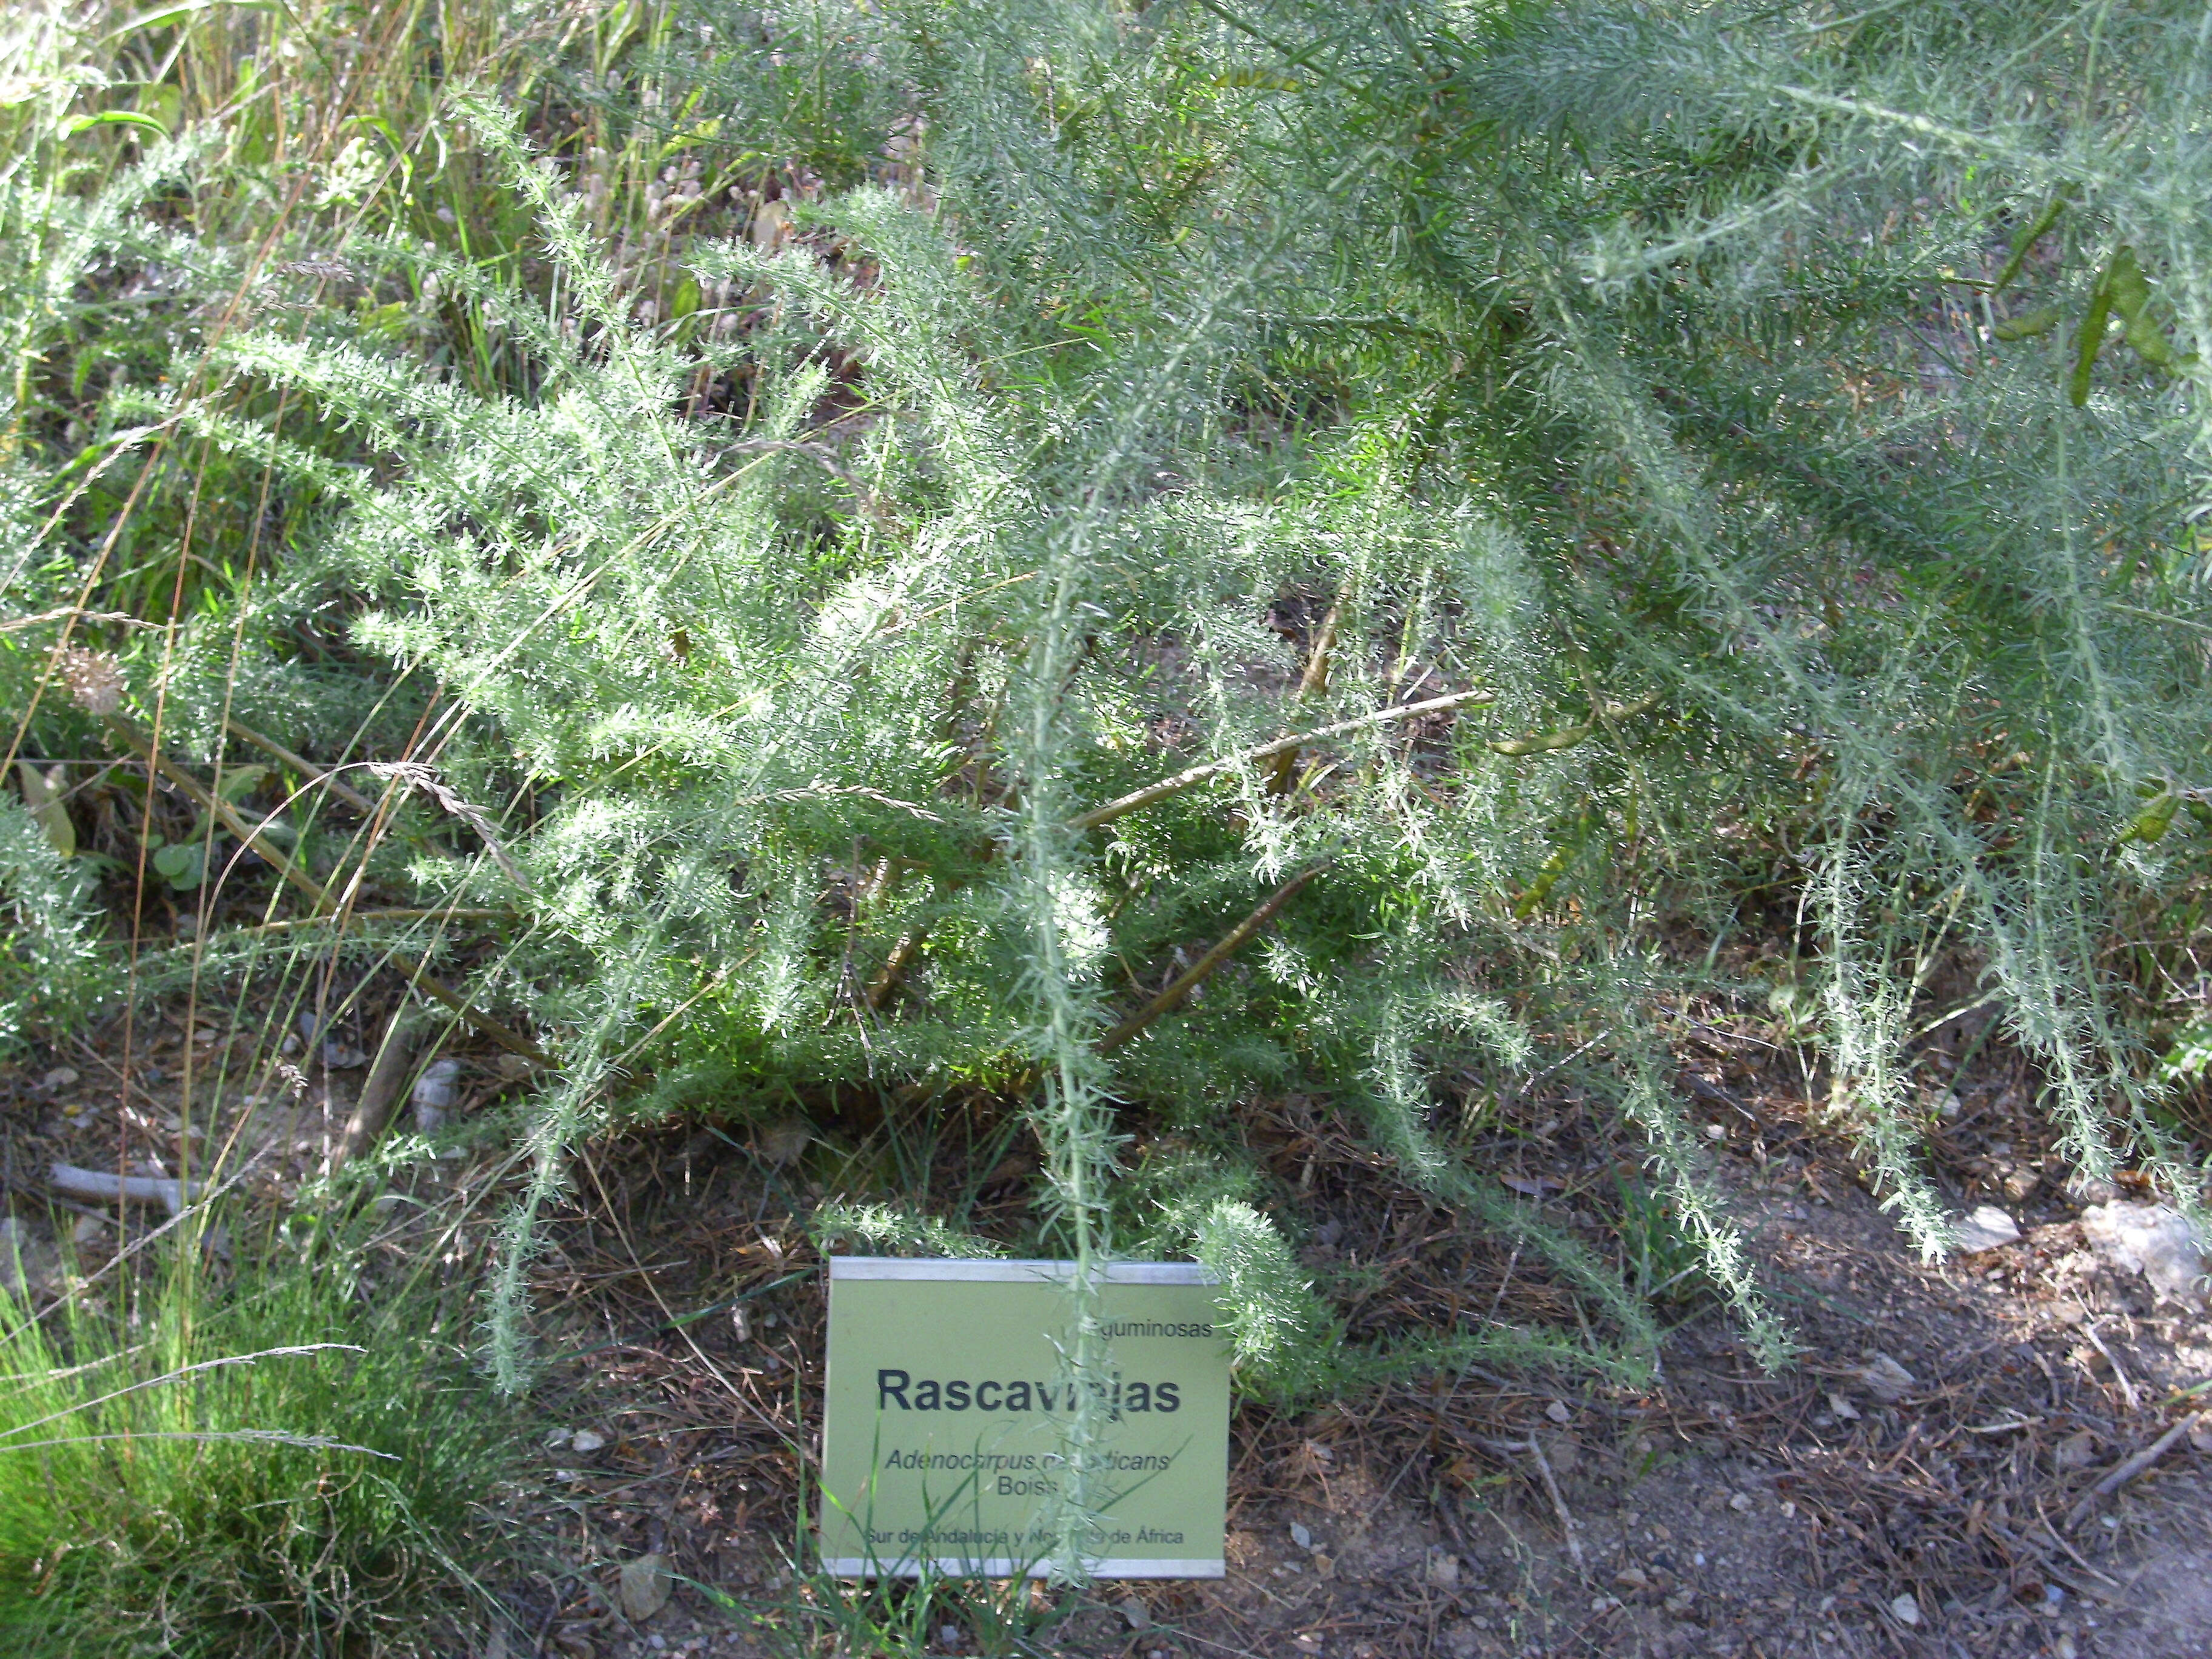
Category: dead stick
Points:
column 894, row 968
column 306, row 767
column 387, row 1076
column 1203, row 969
column 171, row 1194
column 1534, row 1449
column 1312, row 683
column 233, row 821
column 1181, row 781
column 1558, row 1501
column 2129, row 1470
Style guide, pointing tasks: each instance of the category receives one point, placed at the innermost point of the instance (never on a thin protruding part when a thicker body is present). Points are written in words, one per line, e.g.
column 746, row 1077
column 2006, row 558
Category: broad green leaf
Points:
column 182, row 864
column 2131, row 299
column 2151, row 824
column 42, row 795
column 2189, row 1057
column 162, row 14
column 240, row 781
column 2028, row 323
column 2023, row 244
column 2089, row 339
column 115, row 117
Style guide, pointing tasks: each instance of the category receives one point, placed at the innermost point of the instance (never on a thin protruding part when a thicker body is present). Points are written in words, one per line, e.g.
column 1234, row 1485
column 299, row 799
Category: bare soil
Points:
column 1909, row 1486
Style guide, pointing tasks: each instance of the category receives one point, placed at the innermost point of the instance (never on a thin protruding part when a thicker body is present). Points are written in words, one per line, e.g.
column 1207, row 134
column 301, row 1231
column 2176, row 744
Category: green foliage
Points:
column 1281, row 1336
column 895, row 1617
column 893, row 1230
column 253, row 1465
column 830, row 457
column 51, row 970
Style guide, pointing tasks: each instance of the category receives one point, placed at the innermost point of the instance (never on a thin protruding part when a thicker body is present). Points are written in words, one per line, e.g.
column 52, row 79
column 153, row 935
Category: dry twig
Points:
column 2129, row 1469
column 1203, row 970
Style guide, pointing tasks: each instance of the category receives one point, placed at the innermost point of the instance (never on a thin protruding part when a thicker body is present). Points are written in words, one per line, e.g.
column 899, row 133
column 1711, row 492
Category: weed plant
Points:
column 281, row 1458
column 1119, row 560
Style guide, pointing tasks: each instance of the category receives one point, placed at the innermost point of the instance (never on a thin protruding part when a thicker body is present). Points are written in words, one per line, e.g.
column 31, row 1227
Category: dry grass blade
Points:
column 1138, row 799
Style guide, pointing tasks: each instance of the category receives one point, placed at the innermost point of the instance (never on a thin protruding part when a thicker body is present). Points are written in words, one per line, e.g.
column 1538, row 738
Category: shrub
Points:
column 1643, row 455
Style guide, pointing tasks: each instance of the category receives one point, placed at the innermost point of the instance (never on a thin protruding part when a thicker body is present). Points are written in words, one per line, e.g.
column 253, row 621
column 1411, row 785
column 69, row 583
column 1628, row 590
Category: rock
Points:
column 585, row 1441
column 1906, row 1610
column 1561, row 1451
column 1986, row 1228
column 434, row 1093
column 1741, row 1503
column 782, row 1143
column 2154, row 1240
column 1300, row 1536
column 1632, row 1577
column 60, row 1078
column 2077, row 1451
column 1886, row 1380
column 948, row 1637
column 1558, row 1411
column 1846, row 1411
column 1460, row 1641
column 2020, row 1184
column 1133, row 1608
column 89, row 1230
column 1441, row 1570
column 645, row 1587
column 28, row 1264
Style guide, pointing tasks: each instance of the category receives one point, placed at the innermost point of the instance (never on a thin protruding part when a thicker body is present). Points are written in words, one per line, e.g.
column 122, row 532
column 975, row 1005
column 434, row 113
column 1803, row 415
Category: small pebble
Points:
column 586, row 1441
column 1906, row 1609
column 1558, row 1411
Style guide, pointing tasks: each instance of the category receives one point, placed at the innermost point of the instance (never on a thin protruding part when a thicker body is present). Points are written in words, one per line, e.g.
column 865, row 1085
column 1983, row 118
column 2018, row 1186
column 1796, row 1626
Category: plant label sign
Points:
column 945, row 1398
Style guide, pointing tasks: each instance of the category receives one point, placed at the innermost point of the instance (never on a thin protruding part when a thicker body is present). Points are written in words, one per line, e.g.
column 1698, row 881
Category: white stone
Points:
column 2154, row 1240
column 1985, row 1229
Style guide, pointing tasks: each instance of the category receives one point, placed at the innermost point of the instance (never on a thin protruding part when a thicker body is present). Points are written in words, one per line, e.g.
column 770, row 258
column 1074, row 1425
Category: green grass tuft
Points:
column 250, row 1463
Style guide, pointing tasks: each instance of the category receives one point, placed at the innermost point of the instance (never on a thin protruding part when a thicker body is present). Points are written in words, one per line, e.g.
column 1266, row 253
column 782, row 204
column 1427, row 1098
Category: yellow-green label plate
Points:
column 941, row 1433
